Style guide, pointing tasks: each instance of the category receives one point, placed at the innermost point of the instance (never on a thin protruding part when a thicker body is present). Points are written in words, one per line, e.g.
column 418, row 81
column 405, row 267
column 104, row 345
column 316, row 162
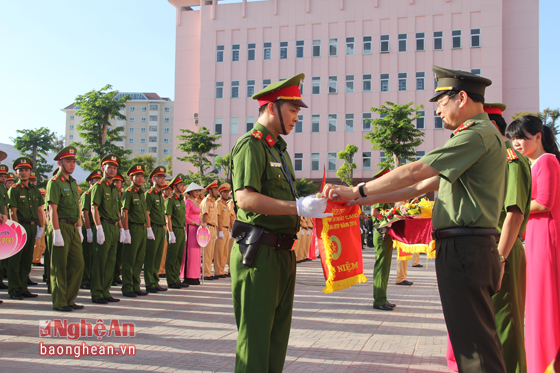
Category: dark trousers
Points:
column 87, row 250
column 383, row 256
column 133, row 258
column 468, row 271
column 19, row 265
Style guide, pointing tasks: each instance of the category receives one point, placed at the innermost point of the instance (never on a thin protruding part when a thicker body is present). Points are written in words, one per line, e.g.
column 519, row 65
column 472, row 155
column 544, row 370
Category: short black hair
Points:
column 473, row 96
column 262, row 109
column 500, row 122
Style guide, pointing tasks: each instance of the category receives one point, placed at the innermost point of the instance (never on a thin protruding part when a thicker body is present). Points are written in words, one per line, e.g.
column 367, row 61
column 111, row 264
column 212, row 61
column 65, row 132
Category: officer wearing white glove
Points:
column 151, row 234
column 221, row 235
column 127, row 238
column 172, row 238
column 312, row 207
column 308, row 232
column 58, row 240
column 100, row 235
column 80, row 232
column 40, row 231
column 89, row 234
column 121, row 235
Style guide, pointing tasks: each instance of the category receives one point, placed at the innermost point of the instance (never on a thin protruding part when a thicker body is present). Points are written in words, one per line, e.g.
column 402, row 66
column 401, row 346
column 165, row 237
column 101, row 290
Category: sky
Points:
column 52, row 51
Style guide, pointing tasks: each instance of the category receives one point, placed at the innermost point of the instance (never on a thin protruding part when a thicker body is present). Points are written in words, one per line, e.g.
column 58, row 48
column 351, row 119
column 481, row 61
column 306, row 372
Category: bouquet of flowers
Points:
column 413, row 209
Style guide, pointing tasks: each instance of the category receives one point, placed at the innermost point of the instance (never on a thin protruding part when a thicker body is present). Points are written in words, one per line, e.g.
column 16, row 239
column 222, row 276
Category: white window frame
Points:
column 316, row 85
column 250, row 88
column 218, row 126
column 331, row 161
column 332, row 122
column 266, row 82
column 316, row 48
column 384, row 46
column 421, row 121
column 349, row 83
column 420, row 81
column 438, row 122
column 333, row 84
column 299, row 125
column 350, row 46
column 366, row 79
column 402, row 39
column 403, row 77
column 234, row 125
column 367, row 46
column 142, row 141
column 300, row 48
column 251, row 47
column 267, row 47
column 366, row 126
column 235, row 89
column 438, row 35
column 166, row 141
column 315, row 123
column 456, row 35
column 283, row 50
column 298, row 166
column 131, row 130
column 142, row 151
column 366, row 156
column 251, row 121
column 383, row 80
column 349, row 122
column 130, row 140
column 219, row 54
column 315, row 161
column 475, row 38
column 420, row 38
column 219, row 90
column 333, row 47
column 235, row 52
column 166, row 130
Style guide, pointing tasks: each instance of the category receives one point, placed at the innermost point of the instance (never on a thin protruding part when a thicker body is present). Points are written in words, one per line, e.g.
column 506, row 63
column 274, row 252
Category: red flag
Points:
column 324, row 179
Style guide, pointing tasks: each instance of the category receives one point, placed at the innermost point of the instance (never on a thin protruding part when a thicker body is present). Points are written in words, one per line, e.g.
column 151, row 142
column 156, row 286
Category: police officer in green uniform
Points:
column 263, row 270
column 118, row 181
column 3, row 209
column 88, row 228
column 66, row 259
column 509, row 301
column 469, row 172
column 134, row 224
column 156, row 230
column 175, row 215
column 25, row 202
column 105, row 208
column 48, row 243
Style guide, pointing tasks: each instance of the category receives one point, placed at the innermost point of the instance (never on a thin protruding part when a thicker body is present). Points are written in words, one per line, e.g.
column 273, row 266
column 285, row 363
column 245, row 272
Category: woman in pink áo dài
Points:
column 190, row 268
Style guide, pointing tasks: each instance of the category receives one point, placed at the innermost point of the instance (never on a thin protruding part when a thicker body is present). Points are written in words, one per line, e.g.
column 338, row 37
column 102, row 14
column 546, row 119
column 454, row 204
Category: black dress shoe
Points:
column 228, row 275
column 64, row 309
column 418, row 266
column 208, row 278
column 161, row 276
column 3, row 285
column 76, row 306
column 222, row 276
column 38, row 264
column 85, row 286
column 118, row 281
column 383, row 307
column 99, row 301
column 130, row 294
column 28, row 294
column 30, row 283
column 405, row 283
column 16, row 295
column 112, row 300
column 159, row 288
column 184, row 284
column 391, row 304
column 114, row 283
column 141, row 292
column 175, row 286
column 192, row 281
column 151, row 290
column 215, row 277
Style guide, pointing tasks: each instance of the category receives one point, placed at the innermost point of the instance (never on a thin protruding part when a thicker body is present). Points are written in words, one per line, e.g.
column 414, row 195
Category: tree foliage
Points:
column 223, row 164
column 395, row 133
column 548, row 116
column 198, row 147
column 346, row 171
column 168, row 163
column 305, row 187
column 35, row 144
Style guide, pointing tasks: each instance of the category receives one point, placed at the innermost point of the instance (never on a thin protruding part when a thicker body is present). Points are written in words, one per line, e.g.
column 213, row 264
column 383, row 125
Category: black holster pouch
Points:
column 247, row 237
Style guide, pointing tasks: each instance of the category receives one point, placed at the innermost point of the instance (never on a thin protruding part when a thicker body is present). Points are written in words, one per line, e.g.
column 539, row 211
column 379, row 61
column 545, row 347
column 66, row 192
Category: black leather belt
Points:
column 225, row 227
column 438, row 234
column 140, row 224
column 109, row 221
column 67, row 222
column 30, row 222
column 277, row 241
column 157, row 225
column 212, row 225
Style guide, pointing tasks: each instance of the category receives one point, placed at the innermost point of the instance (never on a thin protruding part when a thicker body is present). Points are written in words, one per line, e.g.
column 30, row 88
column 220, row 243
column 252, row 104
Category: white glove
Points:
column 230, row 236
column 312, row 207
column 221, row 234
column 80, row 232
column 89, row 235
column 58, row 240
column 172, row 238
column 40, row 231
column 127, row 238
column 361, row 231
column 151, row 234
column 121, row 235
column 309, row 233
column 100, row 235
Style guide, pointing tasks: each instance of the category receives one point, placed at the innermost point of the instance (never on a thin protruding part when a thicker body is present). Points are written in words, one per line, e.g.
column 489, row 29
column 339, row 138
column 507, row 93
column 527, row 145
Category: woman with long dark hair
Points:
column 542, row 308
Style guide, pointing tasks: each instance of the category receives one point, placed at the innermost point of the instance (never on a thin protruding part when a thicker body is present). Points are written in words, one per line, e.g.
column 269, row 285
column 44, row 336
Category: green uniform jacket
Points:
column 175, row 207
column 64, row 193
column 473, row 168
column 85, row 202
column 106, row 196
column 254, row 166
column 134, row 200
column 3, row 198
column 155, row 205
column 26, row 201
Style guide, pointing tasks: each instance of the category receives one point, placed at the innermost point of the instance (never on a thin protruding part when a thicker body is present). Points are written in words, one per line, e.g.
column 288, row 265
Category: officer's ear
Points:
column 271, row 106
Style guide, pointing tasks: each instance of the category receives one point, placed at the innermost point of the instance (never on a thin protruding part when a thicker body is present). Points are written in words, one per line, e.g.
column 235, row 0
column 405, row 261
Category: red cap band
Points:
column 493, row 110
column 288, row 93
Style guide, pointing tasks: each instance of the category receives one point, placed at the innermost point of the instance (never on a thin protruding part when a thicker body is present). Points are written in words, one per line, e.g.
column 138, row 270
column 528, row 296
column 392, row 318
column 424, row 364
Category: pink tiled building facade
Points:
column 356, row 54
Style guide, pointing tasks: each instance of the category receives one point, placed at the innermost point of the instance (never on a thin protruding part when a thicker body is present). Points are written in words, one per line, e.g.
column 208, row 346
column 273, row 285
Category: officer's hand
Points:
column 127, row 238
column 40, row 231
column 339, row 193
column 172, row 238
column 230, row 235
column 221, row 235
column 501, row 276
column 89, row 234
column 3, row 219
column 121, row 235
column 100, row 235
column 312, row 207
column 309, row 233
column 58, row 240
column 151, row 234
column 80, row 232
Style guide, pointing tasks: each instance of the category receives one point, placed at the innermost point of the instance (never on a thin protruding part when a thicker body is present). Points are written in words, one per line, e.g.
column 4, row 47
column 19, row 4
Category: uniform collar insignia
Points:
column 257, row 134
column 107, row 183
column 270, row 140
column 463, row 126
column 511, row 155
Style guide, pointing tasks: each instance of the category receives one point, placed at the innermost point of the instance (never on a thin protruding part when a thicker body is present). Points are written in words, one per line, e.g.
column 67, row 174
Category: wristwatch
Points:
column 502, row 259
column 361, row 189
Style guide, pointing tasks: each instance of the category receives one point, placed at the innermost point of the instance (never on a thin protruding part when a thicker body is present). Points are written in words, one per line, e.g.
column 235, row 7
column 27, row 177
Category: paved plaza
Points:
column 193, row 329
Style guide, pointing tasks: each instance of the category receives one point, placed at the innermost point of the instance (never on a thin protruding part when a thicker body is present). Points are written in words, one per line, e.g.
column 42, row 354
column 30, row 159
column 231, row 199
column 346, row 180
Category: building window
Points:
column 366, row 161
column 283, row 50
column 249, row 123
column 153, row 139
column 420, row 154
column 235, row 89
column 420, row 121
column 143, row 129
column 153, row 107
column 475, row 71
column 153, row 129
column 299, row 124
column 167, row 110
column 131, row 108
column 402, row 81
column 438, row 40
column 315, row 122
column 420, row 41
column 267, row 51
column 349, row 122
column 366, row 122
column 71, row 126
column 332, row 122
column 131, row 120
column 166, row 141
column 475, row 38
column 402, row 42
column 251, row 51
column 333, row 47
column 166, row 120
column 142, row 151
column 220, row 53
column 142, row 141
column 131, row 130
column 152, row 149
column 218, row 126
column 130, row 141
column 456, row 39
column 438, row 123
column 367, row 49
column 70, row 137
column 153, row 118
column 384, row 44
column 315, row 161
column 143, row 120
column 219, row 89
column 166, row 130
column 384, row 82
column 366, row 83
column 299, row 48
column 235, row 52
column 144, row 109
column 71, row 117
column 316, row 51
column 266, row 83
column 333, row 82
column 382, row 157
column 301, row 87
column 349, row 46
column 331, row 162
column 420, row 80
column 298, row 161
column 316, row 85
column 250, row 88
column 349, row 83
column 165, row 151
column 233, row 126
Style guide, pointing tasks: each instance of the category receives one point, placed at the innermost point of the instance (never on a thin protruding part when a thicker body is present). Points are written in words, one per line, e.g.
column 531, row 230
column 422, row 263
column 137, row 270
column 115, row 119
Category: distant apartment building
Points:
column 356, row 54
column 148, row 128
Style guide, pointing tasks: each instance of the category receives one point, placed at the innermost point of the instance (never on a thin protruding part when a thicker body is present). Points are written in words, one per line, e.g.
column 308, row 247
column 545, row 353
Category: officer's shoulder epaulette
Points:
column 463, row 126
column 88, row 192
column 511, row 155
column 257, row 134
column 14, row 186
column 150, row 191
column 129, row 189
column 54, row 177
column 100, row 182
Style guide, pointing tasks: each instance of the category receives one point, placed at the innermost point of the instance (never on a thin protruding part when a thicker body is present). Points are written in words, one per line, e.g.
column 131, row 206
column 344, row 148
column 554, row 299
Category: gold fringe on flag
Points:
column 417, row 248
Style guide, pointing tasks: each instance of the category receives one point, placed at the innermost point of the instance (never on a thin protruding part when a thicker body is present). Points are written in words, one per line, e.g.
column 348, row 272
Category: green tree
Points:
column 222, row 163
column 346, row 171
column 395, row 132
column 35, row 144
column 548, row 116
column 97, row 109
column 198, row 147
column 168, row 163
column 305, row 187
